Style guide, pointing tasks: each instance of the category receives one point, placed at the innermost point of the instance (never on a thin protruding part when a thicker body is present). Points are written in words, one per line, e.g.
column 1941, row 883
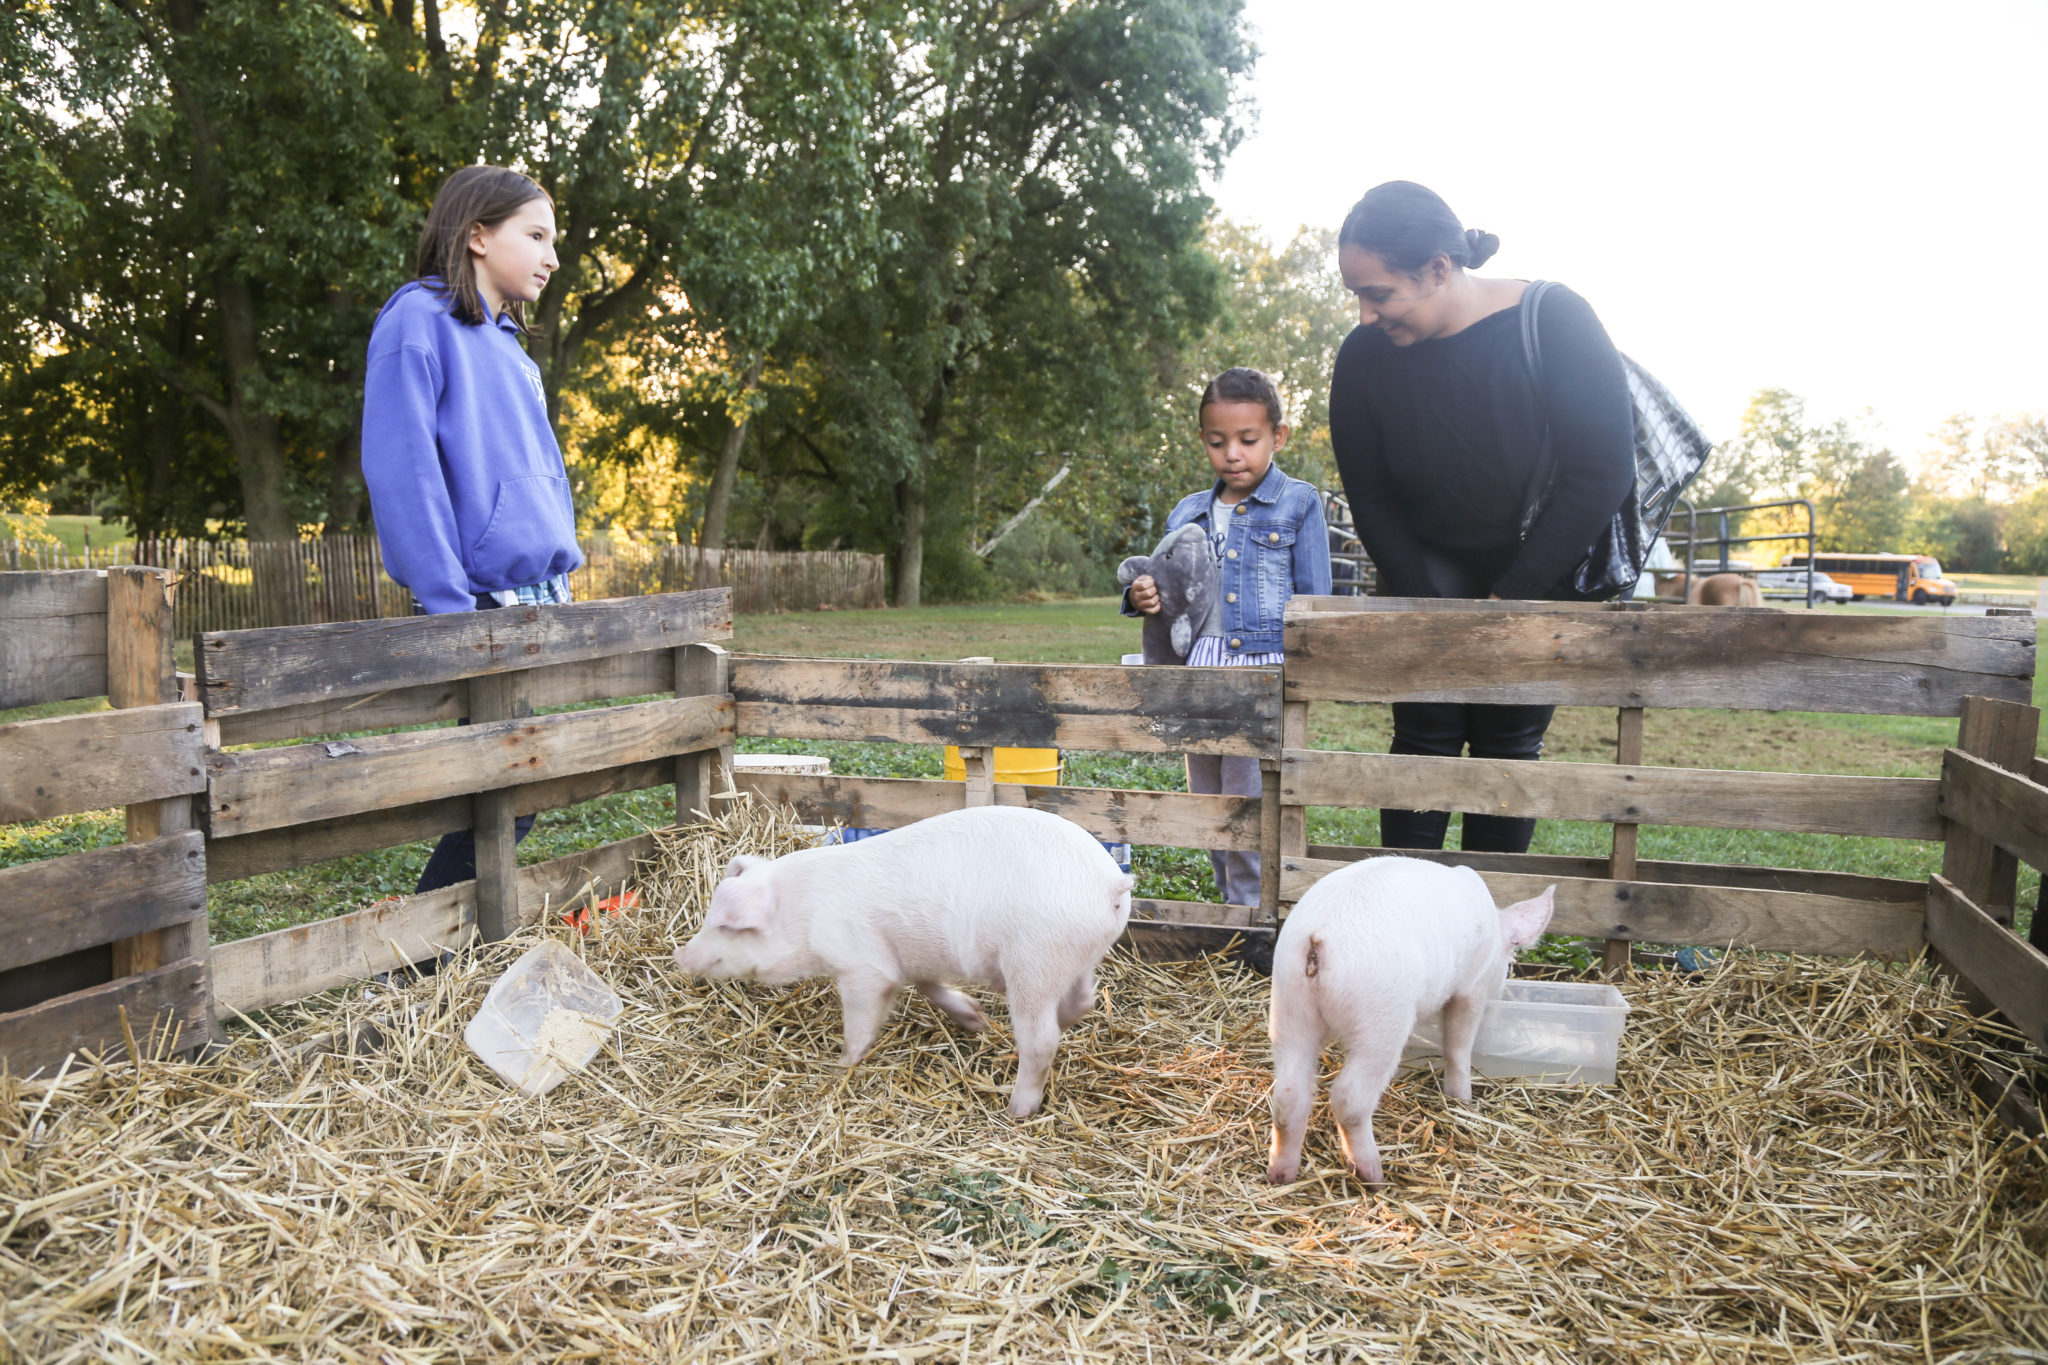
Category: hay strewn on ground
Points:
column 1789, row 1171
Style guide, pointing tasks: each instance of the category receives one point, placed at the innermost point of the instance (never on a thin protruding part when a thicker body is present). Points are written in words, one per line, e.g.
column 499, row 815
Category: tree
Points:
column 1036, row 181
column 224, row 166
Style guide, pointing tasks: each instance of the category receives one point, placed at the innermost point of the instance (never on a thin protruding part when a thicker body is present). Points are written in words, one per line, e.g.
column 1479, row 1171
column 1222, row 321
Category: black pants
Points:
column 1448, row 729
column 454, row 858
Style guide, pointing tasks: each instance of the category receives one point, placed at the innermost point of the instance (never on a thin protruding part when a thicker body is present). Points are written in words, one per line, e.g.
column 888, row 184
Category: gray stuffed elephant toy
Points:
column 1188, row 584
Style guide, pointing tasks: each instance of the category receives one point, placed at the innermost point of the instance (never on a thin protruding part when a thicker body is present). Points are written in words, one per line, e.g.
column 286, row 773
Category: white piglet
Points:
column 1370, row 950
column 1018, row 899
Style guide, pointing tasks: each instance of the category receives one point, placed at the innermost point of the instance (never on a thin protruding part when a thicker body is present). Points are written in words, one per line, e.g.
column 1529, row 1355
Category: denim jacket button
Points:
column 1236, row 643
column 1233, row 554
column 1230, row 597
column 1243, row 508
column 1273, row 535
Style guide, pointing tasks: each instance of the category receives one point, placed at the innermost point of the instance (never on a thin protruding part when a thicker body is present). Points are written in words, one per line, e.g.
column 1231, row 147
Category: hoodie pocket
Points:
column 529, row 527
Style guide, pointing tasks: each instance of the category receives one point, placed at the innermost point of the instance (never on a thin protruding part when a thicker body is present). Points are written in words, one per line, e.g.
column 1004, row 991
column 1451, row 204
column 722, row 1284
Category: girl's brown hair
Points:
column 475, row 196
column 1244, row 385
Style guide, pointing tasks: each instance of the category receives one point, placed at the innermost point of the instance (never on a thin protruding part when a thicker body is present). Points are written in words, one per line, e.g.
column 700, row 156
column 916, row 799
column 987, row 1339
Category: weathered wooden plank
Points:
column 1192, row 912
column 1740, row 660
column 1773, row 921
column 53, row 636
column 701, row 670
column 2004, row 734
column 2009, row 810
column 1176, row 819
column 1621, row 860
column 250, row 670
column 608, row 679
column 141, row 672
column 290, row 964
column 103, row 895
column 1303, row 602
column 1150, row 710
column 2010, row 972
column 278, row 850
column 1819, row 803
column 1848, row 885
column 269, row 788
column 63, row 764
column 165, row 1007
column 1166, row 941
column 555, row 885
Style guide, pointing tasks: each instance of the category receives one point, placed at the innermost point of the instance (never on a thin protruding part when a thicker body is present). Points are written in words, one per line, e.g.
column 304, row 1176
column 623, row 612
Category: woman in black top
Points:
column 1438, row 427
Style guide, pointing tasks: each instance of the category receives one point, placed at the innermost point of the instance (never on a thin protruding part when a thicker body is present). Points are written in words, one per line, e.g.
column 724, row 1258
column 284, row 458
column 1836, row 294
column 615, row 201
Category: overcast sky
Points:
column 1844, row 200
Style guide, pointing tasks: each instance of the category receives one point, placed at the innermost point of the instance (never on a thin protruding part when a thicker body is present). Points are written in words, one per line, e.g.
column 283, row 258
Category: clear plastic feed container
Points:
column 1545, row 1032
column 544, row 1018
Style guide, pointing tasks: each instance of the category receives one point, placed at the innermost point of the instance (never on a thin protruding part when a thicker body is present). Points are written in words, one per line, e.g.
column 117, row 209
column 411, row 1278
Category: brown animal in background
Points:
column 1724, row 590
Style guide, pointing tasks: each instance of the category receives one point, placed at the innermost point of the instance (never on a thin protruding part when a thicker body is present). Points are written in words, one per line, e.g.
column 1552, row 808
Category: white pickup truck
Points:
column 1792, row 583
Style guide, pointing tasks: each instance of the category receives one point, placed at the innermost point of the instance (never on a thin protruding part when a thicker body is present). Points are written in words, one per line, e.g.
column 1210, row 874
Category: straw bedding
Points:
column 1789, row 1170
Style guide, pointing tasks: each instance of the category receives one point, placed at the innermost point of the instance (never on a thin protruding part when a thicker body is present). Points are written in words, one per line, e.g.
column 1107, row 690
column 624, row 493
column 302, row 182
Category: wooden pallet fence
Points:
column 1631, row 657
column 105, row 949
column 1140, row 710
column 288, row 806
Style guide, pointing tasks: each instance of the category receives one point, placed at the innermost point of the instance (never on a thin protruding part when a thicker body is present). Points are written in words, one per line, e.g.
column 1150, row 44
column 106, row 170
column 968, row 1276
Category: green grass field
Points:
column 72, row 532
column 1090, row 631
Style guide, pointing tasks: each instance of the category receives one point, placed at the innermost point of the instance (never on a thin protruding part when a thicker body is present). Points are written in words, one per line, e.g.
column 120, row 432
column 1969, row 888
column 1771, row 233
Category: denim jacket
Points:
column 1277, row 546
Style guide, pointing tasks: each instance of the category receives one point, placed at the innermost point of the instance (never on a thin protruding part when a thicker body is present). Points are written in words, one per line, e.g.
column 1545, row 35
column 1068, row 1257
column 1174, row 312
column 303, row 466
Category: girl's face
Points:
column 1240, row 439
column 1408, row 308
column 514, row 259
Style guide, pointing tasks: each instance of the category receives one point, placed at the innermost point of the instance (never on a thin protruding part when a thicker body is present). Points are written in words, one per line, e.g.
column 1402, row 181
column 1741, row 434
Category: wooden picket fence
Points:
column 244, row 585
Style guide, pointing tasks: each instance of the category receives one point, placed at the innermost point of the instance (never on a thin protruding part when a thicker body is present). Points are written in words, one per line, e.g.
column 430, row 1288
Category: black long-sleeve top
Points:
column 1438, row 445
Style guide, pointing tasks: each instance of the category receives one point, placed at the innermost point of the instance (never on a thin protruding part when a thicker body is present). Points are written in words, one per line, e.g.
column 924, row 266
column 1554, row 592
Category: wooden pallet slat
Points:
column 1820, row 803
column 2011, row 973
column 171, row 999
column 1665, row 912
column 1149, row 710
column 257, row 670
column 82, row 900
column 63, row 764
column 270, row 788
column 1719, row 659
column 53, row 636
column 318, row 841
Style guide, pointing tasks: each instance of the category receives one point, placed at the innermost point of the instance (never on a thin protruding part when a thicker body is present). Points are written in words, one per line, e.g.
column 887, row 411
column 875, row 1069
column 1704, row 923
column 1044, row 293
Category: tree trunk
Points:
column 909, row 564
column 711, row 536
column 252, row 434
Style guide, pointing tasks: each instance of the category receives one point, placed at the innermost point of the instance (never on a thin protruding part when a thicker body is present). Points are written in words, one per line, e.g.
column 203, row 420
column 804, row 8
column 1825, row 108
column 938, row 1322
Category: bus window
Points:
column 1927, row 567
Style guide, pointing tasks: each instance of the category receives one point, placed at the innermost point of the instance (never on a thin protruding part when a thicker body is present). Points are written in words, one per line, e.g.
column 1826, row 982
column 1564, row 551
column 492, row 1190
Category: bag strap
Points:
column 1532, row 357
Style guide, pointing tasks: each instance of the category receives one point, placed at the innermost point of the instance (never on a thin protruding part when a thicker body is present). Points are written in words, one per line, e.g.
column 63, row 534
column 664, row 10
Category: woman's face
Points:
column 514, row 259
column 1240, row 438
column 1406, row 307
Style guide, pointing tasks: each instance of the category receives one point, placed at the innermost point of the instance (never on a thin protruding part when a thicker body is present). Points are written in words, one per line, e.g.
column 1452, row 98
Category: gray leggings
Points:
column 1237, row 872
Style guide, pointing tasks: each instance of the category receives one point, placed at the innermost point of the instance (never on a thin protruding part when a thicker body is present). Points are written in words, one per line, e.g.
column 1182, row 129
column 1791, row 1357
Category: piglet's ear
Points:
column 743, row 911
column 743, row 864
column 1523, row 922
column 1131, row 569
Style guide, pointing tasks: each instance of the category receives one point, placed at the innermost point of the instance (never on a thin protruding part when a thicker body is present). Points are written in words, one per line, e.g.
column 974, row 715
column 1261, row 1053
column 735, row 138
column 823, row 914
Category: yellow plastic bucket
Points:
column 1033, row 767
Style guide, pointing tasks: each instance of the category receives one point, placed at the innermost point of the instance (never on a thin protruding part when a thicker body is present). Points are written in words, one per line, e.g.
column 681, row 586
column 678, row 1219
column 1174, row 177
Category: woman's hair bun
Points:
column 1479, row 247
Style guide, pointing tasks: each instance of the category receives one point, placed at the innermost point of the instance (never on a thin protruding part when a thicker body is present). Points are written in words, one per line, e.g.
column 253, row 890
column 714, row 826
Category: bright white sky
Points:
column 1847, row 200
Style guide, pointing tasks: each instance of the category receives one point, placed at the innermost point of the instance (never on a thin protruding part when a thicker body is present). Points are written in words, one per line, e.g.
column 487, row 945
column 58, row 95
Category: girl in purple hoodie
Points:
column 466, row 480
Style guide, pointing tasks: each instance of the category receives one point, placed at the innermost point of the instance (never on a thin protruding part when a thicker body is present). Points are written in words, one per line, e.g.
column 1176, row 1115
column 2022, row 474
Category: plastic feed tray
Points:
column 1539, row 1032
column 544, row 1018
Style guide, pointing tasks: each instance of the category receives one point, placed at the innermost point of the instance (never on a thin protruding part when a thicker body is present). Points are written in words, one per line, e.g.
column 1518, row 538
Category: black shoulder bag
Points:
column 1670, row 448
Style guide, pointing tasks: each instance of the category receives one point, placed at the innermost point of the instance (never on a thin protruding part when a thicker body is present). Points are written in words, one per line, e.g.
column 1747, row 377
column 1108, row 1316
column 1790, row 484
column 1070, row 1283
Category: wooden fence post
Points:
column 702, row 670
column 2002, row 733
column 497, row 696
column 1293, row 823
column 141, row 672
column 978, row 760
column 1621, row 862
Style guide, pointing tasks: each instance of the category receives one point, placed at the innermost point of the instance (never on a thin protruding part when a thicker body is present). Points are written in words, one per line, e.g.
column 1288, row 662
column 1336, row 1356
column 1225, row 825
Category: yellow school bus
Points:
column 1903, row 578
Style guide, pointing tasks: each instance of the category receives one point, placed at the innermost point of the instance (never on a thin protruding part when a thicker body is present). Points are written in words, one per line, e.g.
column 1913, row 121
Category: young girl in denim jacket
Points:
column 1268, row 542
column 466, row 480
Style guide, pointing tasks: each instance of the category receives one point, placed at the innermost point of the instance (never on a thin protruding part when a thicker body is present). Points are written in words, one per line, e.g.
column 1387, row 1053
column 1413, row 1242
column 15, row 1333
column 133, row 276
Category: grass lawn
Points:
column 72, row 532
column 1090, row 631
